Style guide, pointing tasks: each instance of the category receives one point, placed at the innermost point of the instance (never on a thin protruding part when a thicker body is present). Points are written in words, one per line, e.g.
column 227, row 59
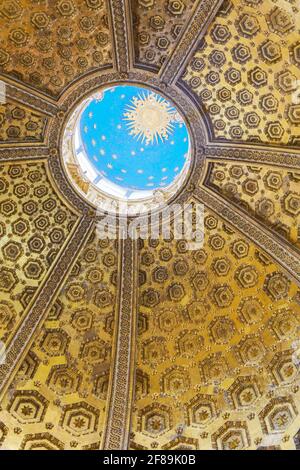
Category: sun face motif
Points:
column 150, row 118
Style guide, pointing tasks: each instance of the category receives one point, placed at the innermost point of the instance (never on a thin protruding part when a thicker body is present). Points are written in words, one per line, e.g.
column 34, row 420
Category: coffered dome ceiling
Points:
column 123, row 344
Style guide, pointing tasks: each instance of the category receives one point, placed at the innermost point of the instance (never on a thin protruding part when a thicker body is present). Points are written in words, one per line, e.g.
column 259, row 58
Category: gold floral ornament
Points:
column 150, row 118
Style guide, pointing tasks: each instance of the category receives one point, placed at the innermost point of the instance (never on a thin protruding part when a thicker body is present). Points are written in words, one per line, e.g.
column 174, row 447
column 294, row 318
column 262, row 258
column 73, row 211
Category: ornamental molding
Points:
column 268, row 155
column 29, row 98
column 22, row 154
column 192, row 34
column 120, row 19
column 121, row 387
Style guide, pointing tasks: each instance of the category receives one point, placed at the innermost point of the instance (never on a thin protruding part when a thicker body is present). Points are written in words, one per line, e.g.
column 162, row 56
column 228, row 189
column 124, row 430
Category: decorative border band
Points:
column 121, row 389
column 195, row 30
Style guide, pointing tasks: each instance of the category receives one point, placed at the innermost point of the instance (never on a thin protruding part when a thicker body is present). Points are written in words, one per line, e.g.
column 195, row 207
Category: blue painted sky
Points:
column 119, row 156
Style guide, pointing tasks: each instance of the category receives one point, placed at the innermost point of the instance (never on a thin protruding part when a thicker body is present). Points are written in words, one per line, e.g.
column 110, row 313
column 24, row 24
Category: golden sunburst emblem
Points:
column 149, row 118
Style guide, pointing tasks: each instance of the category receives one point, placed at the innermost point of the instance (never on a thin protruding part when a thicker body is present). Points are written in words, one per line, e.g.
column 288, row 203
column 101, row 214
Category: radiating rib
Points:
column 194, row 31
column 121, row 386
column 120, row 20
column 16, row 154
column 29, row 98
column 268, row 155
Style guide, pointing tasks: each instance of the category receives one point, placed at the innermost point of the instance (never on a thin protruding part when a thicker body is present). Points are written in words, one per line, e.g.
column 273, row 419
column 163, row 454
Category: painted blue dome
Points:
column 133, row 138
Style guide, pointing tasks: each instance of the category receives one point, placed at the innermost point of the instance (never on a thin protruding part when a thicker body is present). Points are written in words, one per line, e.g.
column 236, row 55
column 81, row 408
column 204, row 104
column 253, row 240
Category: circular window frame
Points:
column 107, row 195
column 95, row 81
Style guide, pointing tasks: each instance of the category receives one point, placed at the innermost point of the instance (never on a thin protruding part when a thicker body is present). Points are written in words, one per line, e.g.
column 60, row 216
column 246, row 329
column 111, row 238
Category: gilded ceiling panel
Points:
column 218, row 346
column 19, row 123
column 218, row 350
column 34, row 224
column 49, row 44
column 269, row 194
column 58, row 398
column 245, row 72
column 157, row 26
